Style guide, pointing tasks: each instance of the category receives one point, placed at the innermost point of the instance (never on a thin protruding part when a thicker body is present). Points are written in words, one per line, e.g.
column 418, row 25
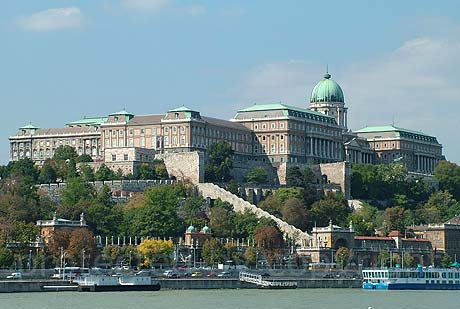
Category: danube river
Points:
column 221, row 299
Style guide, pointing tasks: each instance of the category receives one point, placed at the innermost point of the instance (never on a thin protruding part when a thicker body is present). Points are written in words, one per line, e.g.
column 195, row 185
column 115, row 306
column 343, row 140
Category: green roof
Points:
column 182, row 109
column 89, row 121
column 123, row 112
column 412, row 134
column 290, row 111
column 29, row 126
column 327, row 90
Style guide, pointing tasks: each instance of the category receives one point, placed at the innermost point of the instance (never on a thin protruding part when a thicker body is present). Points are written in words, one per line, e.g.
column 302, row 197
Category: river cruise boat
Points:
column 101, row 283
column 420, row 278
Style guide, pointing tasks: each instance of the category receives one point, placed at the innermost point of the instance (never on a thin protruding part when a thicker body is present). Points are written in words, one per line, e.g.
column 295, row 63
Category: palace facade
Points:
column 272, row 133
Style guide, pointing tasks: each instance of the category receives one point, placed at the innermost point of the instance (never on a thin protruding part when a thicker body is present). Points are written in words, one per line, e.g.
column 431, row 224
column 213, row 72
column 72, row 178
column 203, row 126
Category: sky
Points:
column 396, row 61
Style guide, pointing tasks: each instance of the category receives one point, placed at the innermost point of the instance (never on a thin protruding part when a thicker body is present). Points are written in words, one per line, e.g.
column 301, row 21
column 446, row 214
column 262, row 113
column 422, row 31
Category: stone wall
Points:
column 240, row 170
column 53, row 190
column 329, row 176
column 338, row 173
column 184, row 166
column 239, row 205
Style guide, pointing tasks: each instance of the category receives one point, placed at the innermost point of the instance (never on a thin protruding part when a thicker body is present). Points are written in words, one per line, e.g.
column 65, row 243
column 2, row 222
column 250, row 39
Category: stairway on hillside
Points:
column 239, row 205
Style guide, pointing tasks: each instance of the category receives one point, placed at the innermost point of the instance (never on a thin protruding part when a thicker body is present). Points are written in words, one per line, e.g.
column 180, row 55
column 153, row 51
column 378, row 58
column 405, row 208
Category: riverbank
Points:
column 16, row 286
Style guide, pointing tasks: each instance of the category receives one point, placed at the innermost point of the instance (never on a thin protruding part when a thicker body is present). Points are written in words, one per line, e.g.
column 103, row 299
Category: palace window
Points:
column 125, row 157
column 114, row 157
column 282, row 125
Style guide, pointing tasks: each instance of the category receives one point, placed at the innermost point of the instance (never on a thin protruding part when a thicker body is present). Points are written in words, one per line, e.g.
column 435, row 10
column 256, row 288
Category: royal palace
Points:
column 262, row 133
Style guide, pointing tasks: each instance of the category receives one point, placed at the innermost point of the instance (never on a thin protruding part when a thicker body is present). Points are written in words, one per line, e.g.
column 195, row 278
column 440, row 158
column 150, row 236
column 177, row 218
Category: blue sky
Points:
column 395, row 60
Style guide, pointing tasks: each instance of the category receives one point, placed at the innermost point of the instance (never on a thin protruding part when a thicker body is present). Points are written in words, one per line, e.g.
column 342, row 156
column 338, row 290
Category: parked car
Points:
column 16, row 275
column 212, row 274
column 197, row 274
column 170, row 274
column 265, row 274
column 187, row 275
column 224, row 274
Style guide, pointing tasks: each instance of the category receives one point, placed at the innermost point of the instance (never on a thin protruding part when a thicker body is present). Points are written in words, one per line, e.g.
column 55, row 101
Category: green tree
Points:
column 65, row 153
column 47, row 172
column 272, row 205
column 102, row 216
column 75, row 191
column 250, row 256
column 146, row 171
column 213, row 252
column 409, row 260
column 221, row 222
column 86, row 172
column 294, row 213
column 233, row 187
column 257, row 175
column 84, row 158
column 448, row 175
column 440, row 207
column 157, row 215
column 104, row 173
column 383, row 259
column 333, row 207
column 395, row 219
column 342, row 256
column 6, row 257
column 24, row 167
column 446, row 260
column 220, row 162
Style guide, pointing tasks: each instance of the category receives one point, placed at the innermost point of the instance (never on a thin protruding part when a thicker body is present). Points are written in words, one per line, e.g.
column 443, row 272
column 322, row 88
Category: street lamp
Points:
column 83, row 258
column 30, row 259
column 130, row 258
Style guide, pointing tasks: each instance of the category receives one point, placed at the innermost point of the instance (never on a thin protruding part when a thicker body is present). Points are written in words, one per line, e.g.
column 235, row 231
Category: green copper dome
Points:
column 327, row 90
column 206, row 230
column 191, row 229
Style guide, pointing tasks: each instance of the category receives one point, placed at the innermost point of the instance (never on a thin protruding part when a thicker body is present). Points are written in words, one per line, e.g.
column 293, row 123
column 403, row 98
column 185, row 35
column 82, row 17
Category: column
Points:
column 311, row 145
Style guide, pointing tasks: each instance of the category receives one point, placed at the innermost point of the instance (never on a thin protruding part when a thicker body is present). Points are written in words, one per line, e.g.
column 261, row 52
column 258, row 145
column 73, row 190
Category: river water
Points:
column 245, row 298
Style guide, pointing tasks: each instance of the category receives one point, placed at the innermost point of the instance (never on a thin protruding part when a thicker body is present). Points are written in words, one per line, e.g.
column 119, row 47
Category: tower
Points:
column 327, row 98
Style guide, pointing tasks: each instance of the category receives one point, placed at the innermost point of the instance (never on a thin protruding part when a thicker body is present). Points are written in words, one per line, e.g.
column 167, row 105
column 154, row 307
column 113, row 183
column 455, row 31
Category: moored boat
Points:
column 420, row 278
column 99, row 283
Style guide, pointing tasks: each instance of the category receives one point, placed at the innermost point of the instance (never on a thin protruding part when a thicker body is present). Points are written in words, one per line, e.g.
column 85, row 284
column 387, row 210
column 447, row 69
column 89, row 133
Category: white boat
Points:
column 100, row 283
column 420, row 278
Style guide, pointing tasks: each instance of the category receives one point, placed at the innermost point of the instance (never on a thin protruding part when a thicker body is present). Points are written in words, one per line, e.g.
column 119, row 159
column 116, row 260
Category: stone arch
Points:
column 340, row 242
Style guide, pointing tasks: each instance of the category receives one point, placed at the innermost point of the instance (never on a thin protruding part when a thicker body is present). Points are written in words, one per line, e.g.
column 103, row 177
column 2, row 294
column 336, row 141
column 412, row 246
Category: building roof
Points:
column 372, row 238
column 29, row 126
column 183, row 108
column 122, row 112
column 68, row 130
column 289, row 110
column 327, row 90
column 399, row 132
column 224, row 123
column 146, row 119
column 95, row 121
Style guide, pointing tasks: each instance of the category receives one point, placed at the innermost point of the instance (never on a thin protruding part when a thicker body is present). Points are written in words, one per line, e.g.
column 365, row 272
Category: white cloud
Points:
column 416, row 85
column 52, row 19
column 148, row 5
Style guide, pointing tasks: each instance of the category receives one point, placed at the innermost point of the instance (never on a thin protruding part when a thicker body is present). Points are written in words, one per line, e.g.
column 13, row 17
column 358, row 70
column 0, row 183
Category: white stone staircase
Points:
column 239, row 205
